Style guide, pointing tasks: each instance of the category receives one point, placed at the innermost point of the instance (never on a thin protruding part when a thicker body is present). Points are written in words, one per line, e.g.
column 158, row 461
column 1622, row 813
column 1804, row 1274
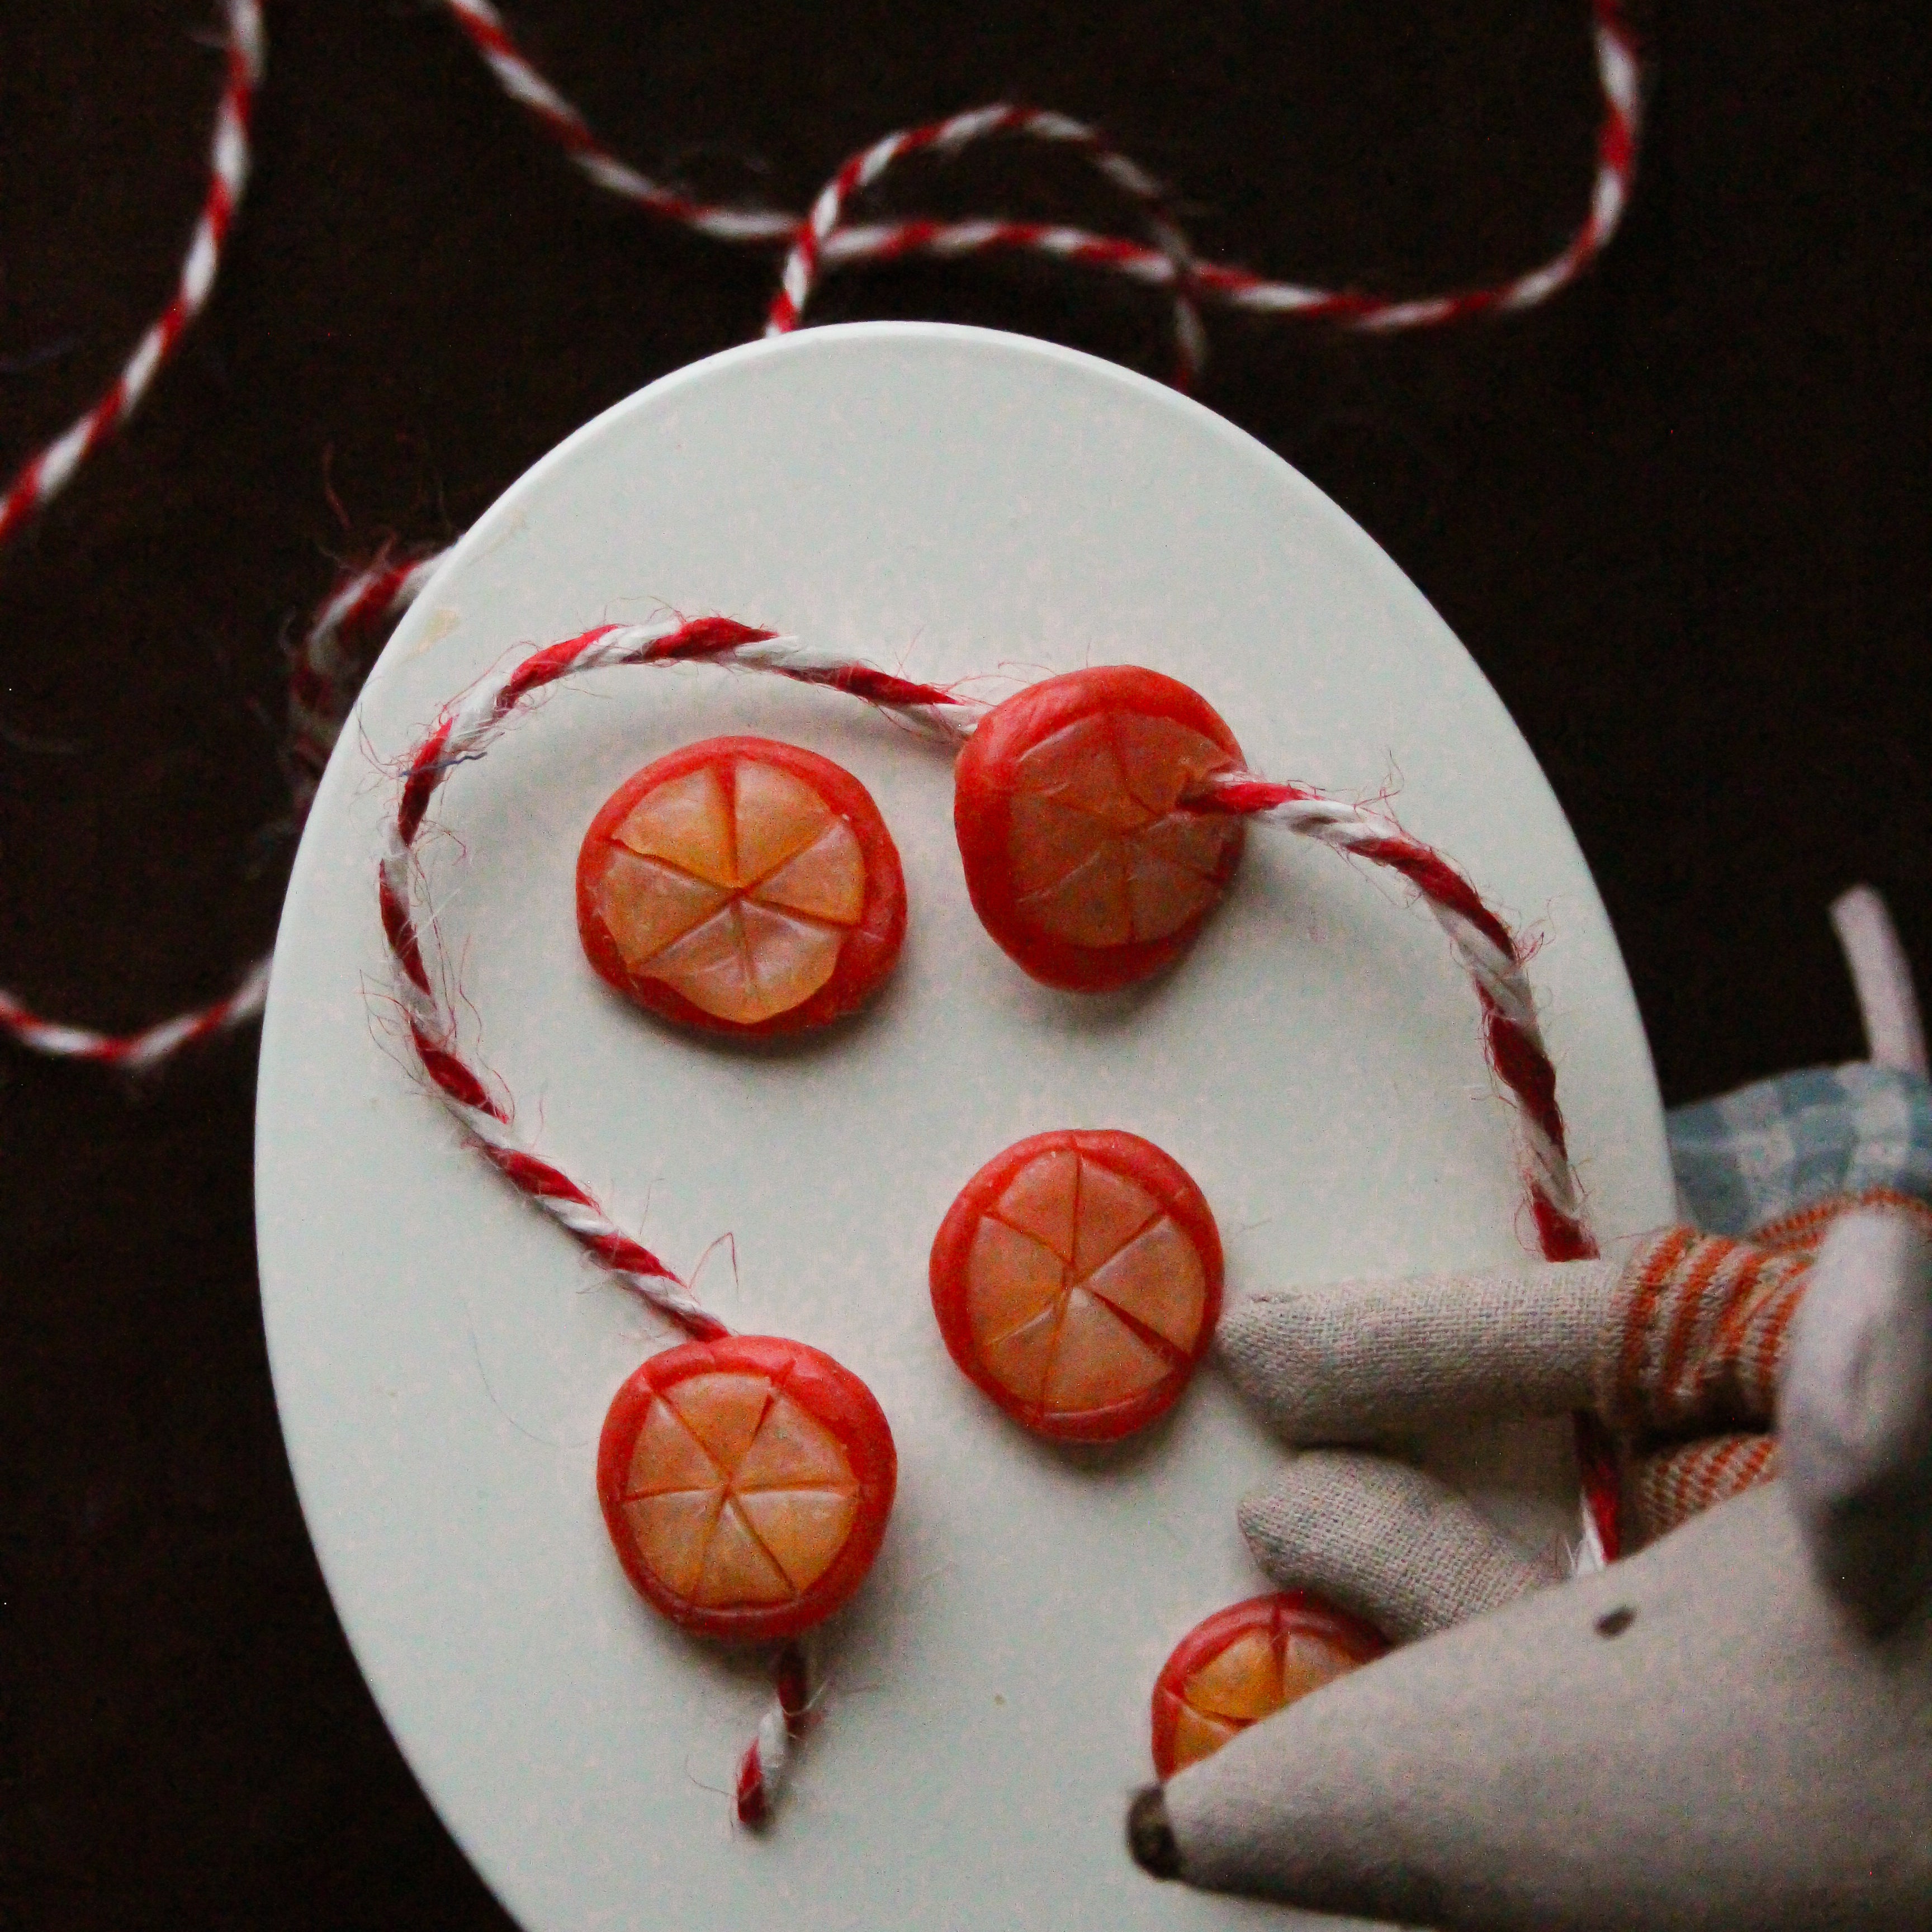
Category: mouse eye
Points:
column 743, row 887
column 1077, row 1279
column 1081, row 860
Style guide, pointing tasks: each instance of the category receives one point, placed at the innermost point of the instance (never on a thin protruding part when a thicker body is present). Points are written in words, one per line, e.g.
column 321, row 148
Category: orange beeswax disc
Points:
column 1077, row 1280
column 1077, row 859
column 742, row 885
column 746, row 1483
column 1244, row 1663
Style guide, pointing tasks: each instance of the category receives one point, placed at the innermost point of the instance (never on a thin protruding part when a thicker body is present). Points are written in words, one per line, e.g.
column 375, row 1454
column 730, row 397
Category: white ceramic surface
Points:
column 946, row 502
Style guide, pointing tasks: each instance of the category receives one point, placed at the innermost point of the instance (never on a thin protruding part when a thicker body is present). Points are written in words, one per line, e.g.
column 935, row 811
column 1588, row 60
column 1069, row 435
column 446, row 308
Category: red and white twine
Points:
column 824, row 238
column 328, row 667
column 324, row 676
column 1512, row 1038
column 1487, row 951
column 463, row 736
column 43, row 476
column 569, row 129
column 149, row 1045
column 865, row 170
column 421, row 981
column 766, row 1768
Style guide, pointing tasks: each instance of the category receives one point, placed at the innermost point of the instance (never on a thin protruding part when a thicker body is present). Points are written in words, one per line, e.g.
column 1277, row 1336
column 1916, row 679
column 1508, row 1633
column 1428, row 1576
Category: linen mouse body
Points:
column 1731, row 1728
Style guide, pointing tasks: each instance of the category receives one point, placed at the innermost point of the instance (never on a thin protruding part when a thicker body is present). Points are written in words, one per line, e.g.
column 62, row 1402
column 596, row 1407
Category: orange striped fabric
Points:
column 1696, row 1340
column 1670, row 1486
column 1800, row 1233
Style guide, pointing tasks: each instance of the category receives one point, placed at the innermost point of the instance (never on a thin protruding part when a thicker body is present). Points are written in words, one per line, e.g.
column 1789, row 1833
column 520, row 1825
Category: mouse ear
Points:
column 1855, row 1416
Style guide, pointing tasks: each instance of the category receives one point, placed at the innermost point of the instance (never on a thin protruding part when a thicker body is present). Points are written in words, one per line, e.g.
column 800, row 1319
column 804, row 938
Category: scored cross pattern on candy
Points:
column 746, row 1482
column 741, row 903
column 1081, row 860
column 741, row 885
column 1100, row 857
column 735, row 1495
column 1076, row 1280
column 1246, row 1663
column 1082, row 1291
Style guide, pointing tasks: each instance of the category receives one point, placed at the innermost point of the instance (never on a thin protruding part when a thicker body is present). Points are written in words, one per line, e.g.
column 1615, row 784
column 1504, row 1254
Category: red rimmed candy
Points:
column 1077, row 1280
column 742, row 885
column 1077, row 861
column 746, row 1484
column 1247, row 1662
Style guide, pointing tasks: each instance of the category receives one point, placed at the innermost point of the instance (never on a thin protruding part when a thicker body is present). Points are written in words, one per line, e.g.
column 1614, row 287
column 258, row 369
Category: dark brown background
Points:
column 1679, row 516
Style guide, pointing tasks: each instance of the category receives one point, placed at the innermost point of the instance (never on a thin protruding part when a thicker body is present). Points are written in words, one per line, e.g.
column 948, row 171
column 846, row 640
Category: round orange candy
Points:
column 1077, row 1280
column 742, row 885
column 746, row 1484
column 1246, row 1663
column 1077, row 860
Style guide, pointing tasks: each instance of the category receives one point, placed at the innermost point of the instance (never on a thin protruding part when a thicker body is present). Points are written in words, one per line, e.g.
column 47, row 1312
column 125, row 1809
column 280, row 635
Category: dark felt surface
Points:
column 1679, row 518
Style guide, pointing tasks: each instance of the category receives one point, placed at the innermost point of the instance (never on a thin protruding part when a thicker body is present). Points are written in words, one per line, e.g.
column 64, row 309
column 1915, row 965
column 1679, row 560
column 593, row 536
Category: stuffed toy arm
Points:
column 1732, row 1730
column 1685, row 1333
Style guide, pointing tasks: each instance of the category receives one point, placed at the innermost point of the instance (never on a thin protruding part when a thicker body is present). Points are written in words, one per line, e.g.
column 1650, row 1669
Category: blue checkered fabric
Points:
column 1778, row 1145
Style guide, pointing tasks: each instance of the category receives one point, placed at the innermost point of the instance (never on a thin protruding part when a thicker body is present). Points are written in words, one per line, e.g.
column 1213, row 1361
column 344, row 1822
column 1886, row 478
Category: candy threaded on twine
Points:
column 326, row 672
column 323, row 679
column 1481, row 942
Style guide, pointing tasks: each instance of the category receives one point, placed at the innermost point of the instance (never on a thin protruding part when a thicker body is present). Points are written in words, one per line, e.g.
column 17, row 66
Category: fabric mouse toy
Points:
column 1731, row 1728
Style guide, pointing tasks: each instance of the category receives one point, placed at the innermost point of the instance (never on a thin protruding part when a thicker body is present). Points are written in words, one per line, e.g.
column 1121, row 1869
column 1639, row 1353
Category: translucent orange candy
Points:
column 1246, row 1663
column 1080, row 860
column 742, row 885
column 746, row 1484
column 1077, row 1279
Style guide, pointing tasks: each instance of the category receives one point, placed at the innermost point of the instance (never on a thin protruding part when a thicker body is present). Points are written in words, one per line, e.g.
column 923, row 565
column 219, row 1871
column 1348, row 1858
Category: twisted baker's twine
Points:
column 1170, row 264
column 463, row 735
column 324, row 676
column 465, row 732
column 766, row 1768
column 323, row 679
column 1482, row 944
column 824, row 240
column 1512, row 1038
column 43, row 476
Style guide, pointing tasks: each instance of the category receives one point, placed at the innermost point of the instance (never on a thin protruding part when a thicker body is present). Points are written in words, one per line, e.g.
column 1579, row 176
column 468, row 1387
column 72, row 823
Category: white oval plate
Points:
column 947, row 502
